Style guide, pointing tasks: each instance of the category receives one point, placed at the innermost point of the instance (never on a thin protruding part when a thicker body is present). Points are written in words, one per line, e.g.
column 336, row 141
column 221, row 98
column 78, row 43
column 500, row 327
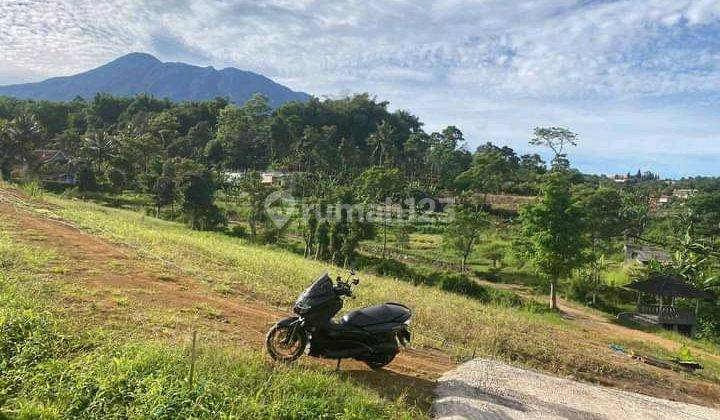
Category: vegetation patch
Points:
column 49, row 368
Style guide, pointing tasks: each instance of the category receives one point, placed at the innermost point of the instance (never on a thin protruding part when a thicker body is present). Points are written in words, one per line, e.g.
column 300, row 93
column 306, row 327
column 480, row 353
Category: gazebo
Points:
column 665, row 289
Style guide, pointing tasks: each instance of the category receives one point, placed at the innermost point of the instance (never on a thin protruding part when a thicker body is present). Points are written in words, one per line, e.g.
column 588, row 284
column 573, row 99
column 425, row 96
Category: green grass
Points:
column 456, row 324
column 463, row 324
column 51, row 367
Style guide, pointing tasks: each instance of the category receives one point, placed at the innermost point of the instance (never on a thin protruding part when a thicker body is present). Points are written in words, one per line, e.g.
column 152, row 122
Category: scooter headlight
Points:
column 407, row 322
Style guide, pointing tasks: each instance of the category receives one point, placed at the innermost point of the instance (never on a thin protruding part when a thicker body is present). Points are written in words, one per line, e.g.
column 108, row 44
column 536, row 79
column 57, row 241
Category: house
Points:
column 661, row 201
column 275, row 178
column 55, row 166
column 644, row 254
column 684, row 194
column 664, row 199
column 620, row 179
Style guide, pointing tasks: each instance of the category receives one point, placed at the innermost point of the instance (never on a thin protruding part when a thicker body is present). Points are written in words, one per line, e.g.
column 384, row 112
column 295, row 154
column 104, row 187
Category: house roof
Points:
column 646, row 254
column 46, row 155
column 664, row 285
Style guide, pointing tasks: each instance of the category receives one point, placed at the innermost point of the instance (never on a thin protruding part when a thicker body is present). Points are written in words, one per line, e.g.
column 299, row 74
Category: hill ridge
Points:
column 142, row 73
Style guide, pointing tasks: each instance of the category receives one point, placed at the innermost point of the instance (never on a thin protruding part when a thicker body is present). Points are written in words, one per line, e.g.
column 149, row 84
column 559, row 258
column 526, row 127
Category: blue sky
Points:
column 638, row 80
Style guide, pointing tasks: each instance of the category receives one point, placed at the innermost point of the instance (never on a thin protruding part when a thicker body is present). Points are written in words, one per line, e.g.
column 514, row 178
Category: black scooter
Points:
column 372, row 335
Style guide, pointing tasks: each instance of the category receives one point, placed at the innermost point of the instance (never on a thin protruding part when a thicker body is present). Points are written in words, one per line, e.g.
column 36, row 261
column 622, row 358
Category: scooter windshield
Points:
column 318, row 292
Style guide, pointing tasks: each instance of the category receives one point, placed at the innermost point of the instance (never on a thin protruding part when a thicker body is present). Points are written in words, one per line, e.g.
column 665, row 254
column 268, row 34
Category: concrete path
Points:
column 485, row 389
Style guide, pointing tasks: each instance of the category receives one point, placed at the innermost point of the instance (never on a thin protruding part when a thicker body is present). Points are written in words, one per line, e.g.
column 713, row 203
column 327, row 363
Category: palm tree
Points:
column 18, row 140
column 99, row 148
column 382, row 141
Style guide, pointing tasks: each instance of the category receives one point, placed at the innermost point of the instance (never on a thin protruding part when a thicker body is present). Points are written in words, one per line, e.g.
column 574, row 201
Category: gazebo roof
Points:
column 664, row 285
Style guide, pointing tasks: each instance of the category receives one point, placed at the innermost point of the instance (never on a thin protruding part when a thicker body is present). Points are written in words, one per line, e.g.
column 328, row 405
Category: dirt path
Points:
column 593, row 320
column 485, row 389
column 117, row 278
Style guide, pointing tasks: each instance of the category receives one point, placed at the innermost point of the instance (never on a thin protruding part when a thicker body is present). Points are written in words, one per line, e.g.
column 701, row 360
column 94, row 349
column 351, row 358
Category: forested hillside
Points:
column 426, row 202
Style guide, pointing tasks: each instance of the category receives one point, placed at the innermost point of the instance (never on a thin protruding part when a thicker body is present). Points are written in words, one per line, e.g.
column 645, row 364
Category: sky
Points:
column 638, row 80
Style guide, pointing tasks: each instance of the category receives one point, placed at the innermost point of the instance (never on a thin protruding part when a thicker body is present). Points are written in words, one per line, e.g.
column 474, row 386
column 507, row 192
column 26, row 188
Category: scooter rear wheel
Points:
column 282, row 347
column 379, row 361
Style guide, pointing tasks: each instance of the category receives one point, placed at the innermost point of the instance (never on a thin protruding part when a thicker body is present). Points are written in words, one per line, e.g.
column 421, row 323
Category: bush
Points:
column 449, row 282
column 458, row 283
column 238, row 231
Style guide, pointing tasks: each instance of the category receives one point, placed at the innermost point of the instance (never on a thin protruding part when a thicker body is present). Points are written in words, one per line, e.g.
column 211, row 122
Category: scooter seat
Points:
column 377, row 314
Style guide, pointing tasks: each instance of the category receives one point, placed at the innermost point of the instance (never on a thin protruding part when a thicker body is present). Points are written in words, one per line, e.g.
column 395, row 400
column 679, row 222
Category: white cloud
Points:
column 422, row 55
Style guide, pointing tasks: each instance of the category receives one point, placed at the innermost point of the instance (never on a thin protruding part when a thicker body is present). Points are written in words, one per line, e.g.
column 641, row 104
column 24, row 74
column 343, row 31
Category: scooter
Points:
column 372, row 335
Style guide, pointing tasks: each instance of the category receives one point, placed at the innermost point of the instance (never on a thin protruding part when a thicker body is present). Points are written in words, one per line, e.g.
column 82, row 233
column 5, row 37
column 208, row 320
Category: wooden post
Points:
column 192, row 358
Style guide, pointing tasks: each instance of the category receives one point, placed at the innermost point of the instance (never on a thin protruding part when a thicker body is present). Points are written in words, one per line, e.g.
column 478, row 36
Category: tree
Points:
column 494, row 251
column 338, row 231
column 18, row 140
column 99, row 148
column 164, row 126
column 309, row 232
column 379, row 185
column 492, row 169
column 352, row 240
column 255, row 193
column 382, row 142
column 635, row 213
column 556, row 139
column 402, row 234
column 552, row 232
column 448, row 157
column 244, row 133
column 468, row 220
column 117, row 179
column 603, row 222
column 323, row 239
column 705, row 208
column 86, row 181
column 198, row 192
column 163, row 193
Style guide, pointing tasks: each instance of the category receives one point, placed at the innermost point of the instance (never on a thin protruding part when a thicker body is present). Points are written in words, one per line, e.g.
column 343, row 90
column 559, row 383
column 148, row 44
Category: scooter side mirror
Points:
column 356, row 282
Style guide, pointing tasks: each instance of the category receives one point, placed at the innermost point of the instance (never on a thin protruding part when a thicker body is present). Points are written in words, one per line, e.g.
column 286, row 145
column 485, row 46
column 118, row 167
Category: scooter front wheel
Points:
column 285, row 343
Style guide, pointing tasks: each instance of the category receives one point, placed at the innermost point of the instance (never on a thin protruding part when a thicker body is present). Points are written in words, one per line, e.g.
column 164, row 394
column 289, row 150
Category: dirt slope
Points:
column 126, row 290
column 118, row 279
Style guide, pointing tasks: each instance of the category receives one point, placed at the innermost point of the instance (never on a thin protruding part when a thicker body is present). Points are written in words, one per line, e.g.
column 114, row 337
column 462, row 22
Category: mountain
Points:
column 142, row 73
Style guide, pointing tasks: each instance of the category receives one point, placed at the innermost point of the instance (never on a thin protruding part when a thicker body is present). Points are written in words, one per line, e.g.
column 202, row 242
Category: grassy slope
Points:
column 52, row 367
column 543, row 341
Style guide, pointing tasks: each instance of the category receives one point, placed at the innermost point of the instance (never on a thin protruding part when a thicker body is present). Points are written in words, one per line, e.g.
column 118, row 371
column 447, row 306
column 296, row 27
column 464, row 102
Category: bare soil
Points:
column 121, row 289
column 120, row 284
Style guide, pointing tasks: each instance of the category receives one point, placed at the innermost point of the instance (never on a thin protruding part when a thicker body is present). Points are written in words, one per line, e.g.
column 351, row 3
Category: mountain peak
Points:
column 137, row 58
column 138, row 73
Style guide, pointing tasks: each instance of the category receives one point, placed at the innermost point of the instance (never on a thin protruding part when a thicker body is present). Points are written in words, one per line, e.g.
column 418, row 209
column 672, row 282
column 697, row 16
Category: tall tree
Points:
column 556, row 139
column 552, row 232
column 492, row 170
column 382, row 142
column 198, row 193
column 604, row 223
column 99, row 148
